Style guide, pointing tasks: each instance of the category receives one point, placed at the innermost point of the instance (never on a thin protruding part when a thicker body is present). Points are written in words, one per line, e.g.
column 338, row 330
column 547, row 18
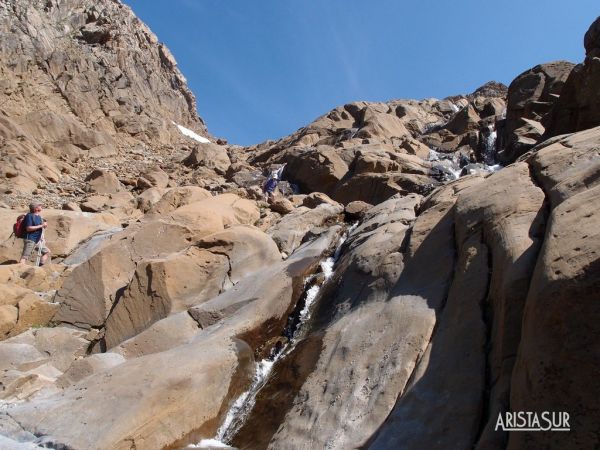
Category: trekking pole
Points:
column 40, row 246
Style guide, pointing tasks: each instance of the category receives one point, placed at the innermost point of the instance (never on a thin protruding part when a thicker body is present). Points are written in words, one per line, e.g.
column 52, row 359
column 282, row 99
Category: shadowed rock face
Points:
column 578, row 106
column 530, row 97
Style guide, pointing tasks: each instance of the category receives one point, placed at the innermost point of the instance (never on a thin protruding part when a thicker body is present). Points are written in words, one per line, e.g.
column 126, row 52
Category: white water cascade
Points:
column 241, row 408
column 489, row 153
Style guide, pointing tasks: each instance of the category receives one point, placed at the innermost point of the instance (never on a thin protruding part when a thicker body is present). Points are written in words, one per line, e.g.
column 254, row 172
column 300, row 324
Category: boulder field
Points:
column 402, row 290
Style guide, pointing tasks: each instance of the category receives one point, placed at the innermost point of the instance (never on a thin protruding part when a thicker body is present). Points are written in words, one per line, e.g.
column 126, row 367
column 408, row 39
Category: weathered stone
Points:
column 164, row 286
column 153, row 178
column 356, row 210
column 85, row 367
column 103, row 182
column 147, row 199
column 281, row 205
column 463, row 121
column 176, row 329
column 212, row 156
column 591, row 40
column 315, row 169
column 531, row 96
column 289, row 232
column 314, row 199
column 177, row 197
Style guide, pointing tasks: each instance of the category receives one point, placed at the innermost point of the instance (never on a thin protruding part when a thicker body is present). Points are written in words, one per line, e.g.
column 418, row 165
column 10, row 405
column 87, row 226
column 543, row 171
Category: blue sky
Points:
column 262, row 69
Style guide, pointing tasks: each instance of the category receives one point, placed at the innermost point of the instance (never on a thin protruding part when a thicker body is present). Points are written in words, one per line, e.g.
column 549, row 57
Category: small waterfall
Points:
column 489, row 145
column 448, row 165
column 241, row 408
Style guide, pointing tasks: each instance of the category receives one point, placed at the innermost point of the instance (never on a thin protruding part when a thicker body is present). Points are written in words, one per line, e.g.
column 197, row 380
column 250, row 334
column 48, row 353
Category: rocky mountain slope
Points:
column 403, row 291
column 85, row 85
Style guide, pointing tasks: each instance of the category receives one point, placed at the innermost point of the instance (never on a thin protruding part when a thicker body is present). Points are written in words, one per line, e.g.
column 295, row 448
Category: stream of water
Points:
column 241, row 408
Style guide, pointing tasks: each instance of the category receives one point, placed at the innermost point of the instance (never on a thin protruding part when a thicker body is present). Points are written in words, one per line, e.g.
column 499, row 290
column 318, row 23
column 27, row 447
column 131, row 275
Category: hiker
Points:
column 34, row 226
column 270, row 185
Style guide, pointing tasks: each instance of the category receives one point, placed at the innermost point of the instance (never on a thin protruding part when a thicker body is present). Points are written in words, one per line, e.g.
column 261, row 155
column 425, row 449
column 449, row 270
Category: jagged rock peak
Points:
column 491, row 89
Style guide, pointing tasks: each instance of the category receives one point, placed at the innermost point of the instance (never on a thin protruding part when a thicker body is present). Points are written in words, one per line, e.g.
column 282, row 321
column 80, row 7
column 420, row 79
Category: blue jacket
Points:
column 30, row 221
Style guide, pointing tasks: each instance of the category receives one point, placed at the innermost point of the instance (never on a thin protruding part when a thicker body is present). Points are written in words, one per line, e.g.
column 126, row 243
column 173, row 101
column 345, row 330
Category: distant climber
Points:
column 271, row 183
column 34, row 226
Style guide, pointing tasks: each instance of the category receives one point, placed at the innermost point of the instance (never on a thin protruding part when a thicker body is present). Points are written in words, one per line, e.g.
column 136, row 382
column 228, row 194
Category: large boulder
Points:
column 21, row 308
column 578, row 107
column 161, row 287
column 95, row 285
column 353, row 315
column 103, row 182
column 375, row 188
column 153, row 178
column 591, row 40
column 290, row 231
column 463, row 121
column 33, row 360
column 315, row 169
column 530, row 97
column 378, row 121
column 177, row 197
column 211, row 156
column 554, row 364
column 184, row 389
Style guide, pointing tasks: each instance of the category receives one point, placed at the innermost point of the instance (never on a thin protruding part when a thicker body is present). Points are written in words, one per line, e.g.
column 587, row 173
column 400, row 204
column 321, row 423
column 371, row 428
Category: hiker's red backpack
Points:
column 19, row 227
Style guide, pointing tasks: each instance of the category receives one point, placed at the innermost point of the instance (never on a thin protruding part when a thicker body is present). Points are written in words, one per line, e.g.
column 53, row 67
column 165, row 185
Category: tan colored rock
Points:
column 463, row 121
column 176, row 329
column 95, row 203
column 531, row 96
column 315, row 169
column 355, row 394
column 22, row 309
column 315, row 199
column 213, row 362
column 567, row 166
column 153, row 178
column 103, row 182
column 147, row 199
column 375, row 188
column 34, row 311
column 162, row 287
column 211, row 156
column 289, row 232
column 71, row 206
column 215, row 213
column 85, row 367
column 281, row 205
column 177, row 197
column 356, row 210
column 164, row 389
column 8, row 319
column 89, row 292
column 379, row 123
column 38, row 279
column 561, row 315
column 414, row 147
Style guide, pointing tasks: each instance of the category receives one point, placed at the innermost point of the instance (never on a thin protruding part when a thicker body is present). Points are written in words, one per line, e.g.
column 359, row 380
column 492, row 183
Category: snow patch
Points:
column 209, row 443
column 189, row 133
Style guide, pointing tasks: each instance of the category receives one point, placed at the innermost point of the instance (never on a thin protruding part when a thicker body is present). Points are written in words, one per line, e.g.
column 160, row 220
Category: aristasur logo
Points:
column 533, row 421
